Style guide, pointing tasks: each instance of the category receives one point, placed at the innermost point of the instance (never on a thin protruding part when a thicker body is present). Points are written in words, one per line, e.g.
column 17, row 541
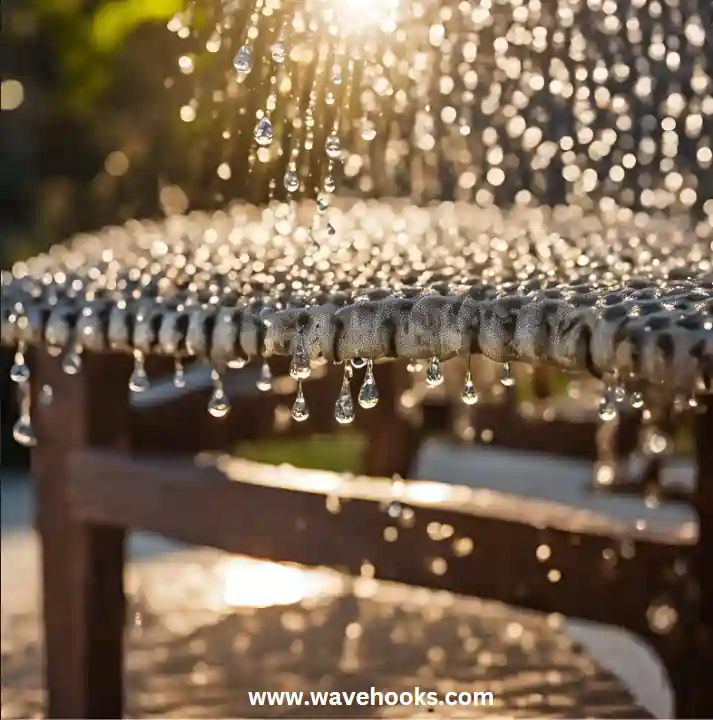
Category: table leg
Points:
column 82, row 565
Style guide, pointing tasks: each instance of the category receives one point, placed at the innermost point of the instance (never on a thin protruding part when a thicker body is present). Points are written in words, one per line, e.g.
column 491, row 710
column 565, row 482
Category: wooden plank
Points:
column 532, row 554
column 84, row 606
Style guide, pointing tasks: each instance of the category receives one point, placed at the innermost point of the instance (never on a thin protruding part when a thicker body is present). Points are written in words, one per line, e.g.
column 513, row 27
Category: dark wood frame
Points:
column 92, row 487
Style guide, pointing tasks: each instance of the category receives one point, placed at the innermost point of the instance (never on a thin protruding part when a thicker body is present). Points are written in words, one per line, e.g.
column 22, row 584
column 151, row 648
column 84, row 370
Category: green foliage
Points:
column 116, row 19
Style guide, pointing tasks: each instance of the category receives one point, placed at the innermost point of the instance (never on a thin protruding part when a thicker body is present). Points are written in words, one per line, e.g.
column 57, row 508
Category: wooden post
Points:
column 82, row 565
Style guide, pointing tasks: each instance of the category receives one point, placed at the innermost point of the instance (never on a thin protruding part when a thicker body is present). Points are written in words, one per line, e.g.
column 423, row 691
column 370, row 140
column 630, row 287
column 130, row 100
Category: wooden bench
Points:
column 98, row 476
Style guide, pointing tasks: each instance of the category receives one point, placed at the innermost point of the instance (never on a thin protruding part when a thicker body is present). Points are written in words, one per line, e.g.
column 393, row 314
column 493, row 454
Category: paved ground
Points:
column 205, row 627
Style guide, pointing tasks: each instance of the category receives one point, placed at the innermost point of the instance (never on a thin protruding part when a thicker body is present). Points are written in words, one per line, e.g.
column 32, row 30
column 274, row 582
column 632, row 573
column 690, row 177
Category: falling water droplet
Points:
column 434, row 376
column 218, row 405
column 23, row 432
column 179, row 375
column 300, row 367
column 637, row 400
column 344, row 407
column 264, row 382
column 608, row 410
column 368, row 392
column 333, row 146
column 20, row 372
column 278, row 52
column 469, row 395
column 300, row 411
column 263, row 132
column 139, row 380
column 358, row 363
column 45, row 396
column 243, row 61
column 330, row 184
column 506, row 378
column 72, row 362
column 291, row 181
column 368, row 130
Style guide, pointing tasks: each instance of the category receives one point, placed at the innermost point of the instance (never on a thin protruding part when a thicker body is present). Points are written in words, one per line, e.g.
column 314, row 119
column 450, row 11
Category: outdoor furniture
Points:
column 97, row 476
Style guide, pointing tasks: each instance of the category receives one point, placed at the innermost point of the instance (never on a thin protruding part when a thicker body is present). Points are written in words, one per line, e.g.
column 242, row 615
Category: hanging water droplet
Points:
column 237, row 363
column 637, row 400
column 368, row 392
column 358, row 363
column 619, row 393
column 506, row 378
column 394, row 509
column 278, row 52
column 434, row 376
column 322, row 204
column 72, row 362
column 264, row 382
column 333, row 146
column 607, row 407
column 368, row 130
column 179, row 375
column 218, row 405
column 20, row 372
column 330, row 229
column 330, row 184
column 139, row 380
column 300, row 411
column 654, row 441
column 291, row 181
column 469, row 395
column 414, row 367
column 45, row 396
column 263, row 132
column 693, row 402
column 344, row 407
column 337, row 74
column 300, row 367
column 243, row 60
column 23, row 432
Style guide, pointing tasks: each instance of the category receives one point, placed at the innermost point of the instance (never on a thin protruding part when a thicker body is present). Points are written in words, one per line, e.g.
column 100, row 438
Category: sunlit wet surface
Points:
column 203, row 628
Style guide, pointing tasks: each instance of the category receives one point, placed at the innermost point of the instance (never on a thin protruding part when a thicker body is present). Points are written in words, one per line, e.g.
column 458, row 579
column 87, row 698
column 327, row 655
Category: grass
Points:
column 342, row 452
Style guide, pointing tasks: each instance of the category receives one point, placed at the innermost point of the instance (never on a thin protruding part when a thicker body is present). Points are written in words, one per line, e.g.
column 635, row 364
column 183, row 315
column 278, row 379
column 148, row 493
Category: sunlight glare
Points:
column 362, row 16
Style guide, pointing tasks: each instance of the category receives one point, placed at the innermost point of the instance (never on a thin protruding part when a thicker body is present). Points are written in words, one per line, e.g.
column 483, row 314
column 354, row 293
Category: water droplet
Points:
column 619, row 393
column 607, row 407
column 358, row 363
column 330, row 229
column 414, row 366
column 23, row 432
column 337, row 74
column 300, row 411
column 394, row 509
column 263, row 132
column 322, row 204
column 368, row 130
column 662, row 618
column 278, row 52
column 243, row 60
column 218, row 405
column 139, row 380
column 637, row 400
column 291, row 181
column 333, row 146
column 45, row 396
column 237, row 363
column 469, row 395
column 72, row 362
column 179, row 375
column 434, row 376
column 20, row 372
column 344, row 407
column 330, row 184
column 506, row 378
column 368, row 392
column 264, row 382
column 654, row 441
column 300, row 367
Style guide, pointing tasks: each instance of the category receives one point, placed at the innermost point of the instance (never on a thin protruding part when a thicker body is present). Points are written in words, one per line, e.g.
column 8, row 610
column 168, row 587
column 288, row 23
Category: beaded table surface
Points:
column 627, row 297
